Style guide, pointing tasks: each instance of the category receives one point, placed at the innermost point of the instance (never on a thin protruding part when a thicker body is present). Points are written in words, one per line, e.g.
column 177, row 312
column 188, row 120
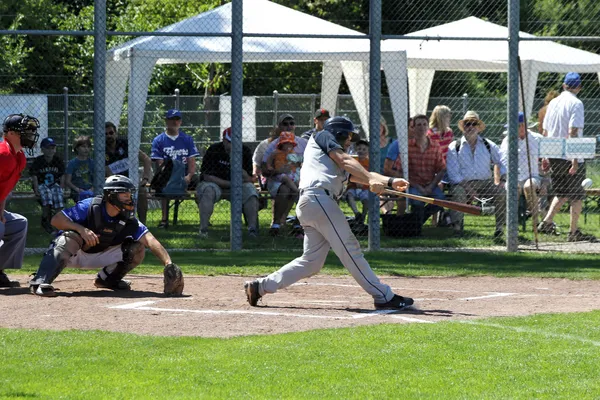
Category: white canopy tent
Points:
column 426, row 57
column 134, row 61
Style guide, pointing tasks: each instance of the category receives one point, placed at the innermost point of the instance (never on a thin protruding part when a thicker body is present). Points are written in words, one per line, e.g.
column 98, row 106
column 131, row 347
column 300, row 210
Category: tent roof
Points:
column 477, row 55
column 260, row 16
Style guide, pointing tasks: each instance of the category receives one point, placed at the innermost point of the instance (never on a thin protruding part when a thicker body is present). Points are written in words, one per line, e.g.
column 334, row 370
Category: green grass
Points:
column 543, row 356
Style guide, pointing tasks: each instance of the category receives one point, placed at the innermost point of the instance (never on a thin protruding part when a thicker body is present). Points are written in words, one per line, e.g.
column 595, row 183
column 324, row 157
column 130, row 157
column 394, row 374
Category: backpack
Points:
column 485, row 142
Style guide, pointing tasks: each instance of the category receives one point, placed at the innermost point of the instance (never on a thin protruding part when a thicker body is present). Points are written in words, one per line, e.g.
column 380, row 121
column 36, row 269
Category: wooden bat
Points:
column 452, row 205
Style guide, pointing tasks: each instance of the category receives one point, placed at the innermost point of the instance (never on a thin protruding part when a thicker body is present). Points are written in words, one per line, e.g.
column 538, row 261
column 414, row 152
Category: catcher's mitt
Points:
column 173, row 279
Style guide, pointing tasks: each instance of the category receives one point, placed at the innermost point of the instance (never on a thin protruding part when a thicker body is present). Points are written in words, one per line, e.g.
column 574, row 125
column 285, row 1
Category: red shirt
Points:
column 443, row 140
column 11, row 166
column 422, row 167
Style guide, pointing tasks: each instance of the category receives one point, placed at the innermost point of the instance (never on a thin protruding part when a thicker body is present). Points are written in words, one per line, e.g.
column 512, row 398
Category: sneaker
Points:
column 203, row 233
column 252, row 233
column 252, row 295
column 163, row 225
column 120, row 285
column 6, row 282
column 579, row 236
column 43, row 290
column 549, row 228
column 396, row 303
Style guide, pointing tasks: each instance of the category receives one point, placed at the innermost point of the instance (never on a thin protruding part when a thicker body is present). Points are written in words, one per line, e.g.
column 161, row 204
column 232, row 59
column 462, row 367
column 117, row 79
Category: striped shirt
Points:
column 422, row 166
column 443, row 140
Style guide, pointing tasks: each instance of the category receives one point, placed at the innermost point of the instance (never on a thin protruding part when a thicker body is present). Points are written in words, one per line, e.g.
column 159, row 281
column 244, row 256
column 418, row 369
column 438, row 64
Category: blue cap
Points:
column 174, row 113
column 572, row 80
column 47, row 142
column 521, row 119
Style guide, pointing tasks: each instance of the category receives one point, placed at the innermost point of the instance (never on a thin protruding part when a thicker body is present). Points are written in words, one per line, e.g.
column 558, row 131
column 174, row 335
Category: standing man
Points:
column 321, row 115
column 325, row 169
column 564, row 119
column 175, row 144
column 117, row 163
column 19, row 131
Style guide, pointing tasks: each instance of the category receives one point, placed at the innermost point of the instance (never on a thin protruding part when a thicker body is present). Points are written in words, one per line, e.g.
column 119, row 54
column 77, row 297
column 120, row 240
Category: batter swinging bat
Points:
column 452, row 205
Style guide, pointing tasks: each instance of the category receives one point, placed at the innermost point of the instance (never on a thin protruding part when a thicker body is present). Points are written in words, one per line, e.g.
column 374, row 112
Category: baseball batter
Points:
column 325, row 170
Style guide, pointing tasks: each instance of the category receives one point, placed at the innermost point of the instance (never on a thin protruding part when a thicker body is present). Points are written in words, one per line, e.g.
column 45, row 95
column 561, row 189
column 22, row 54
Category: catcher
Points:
column 102, row 232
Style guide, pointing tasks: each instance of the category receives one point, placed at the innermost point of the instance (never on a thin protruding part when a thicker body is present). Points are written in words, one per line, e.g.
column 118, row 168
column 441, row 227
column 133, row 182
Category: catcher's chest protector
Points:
column 109, row 233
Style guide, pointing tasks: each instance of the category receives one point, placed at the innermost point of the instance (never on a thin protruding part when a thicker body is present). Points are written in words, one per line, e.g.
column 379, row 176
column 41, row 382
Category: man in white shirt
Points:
column 469, row 163
column 564, row 119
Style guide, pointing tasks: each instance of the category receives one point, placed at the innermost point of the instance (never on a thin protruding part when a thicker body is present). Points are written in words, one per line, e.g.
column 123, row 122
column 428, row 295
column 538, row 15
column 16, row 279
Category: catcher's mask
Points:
column 342, row 128
column 26, row 126
column 116, row 184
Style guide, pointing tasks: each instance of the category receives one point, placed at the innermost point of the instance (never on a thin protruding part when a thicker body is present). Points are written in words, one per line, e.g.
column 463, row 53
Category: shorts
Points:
column 536, row 181
column 564, row 184
column 273, row 187
column 248, row 191
column 360, row 194
column 51, row 196
column 84, row 260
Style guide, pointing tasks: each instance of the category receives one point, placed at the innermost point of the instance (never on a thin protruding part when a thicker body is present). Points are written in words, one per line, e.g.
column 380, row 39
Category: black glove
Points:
column 173, row 279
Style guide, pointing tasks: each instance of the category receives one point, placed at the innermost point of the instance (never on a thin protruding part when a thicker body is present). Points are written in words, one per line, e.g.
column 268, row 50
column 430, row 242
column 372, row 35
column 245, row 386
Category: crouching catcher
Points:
column 102, row 232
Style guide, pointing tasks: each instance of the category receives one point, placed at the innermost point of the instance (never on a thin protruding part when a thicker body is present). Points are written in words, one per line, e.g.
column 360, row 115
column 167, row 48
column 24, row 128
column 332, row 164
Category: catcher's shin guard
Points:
column 55, row 259
column 133, row 255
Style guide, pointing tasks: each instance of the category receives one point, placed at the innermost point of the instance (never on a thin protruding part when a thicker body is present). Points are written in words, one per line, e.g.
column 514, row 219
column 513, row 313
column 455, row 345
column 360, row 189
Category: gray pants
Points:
column 14, row 234
column 482, row 189
column 325, row 227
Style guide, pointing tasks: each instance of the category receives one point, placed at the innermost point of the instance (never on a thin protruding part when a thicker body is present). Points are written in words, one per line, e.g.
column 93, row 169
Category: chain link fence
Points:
column 170, row 86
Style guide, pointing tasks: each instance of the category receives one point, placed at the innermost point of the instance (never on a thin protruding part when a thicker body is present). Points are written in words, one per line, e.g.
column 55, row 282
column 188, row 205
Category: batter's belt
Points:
column 318, row 190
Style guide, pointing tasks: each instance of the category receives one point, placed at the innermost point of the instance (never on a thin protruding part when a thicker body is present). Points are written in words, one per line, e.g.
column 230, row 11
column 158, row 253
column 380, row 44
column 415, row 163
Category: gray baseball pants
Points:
column 13, row 235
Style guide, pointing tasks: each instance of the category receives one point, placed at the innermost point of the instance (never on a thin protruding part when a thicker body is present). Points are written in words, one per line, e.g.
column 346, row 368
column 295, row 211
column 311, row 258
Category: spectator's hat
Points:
column 471, row 116
column 572, row 80
column 47, row 142
column 361, row 141
column 227, row 134
column 283, row 117
column 172, row 114
column 521, row 119
column 321, row 112
column 287, row 137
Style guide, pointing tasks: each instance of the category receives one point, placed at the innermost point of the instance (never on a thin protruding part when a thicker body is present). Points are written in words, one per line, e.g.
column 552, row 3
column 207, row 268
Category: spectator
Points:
column 173, row 143
column 356, row 191
column 439, row 128
column 215, row 176
column 542, row 112
column 48, row 180
column 469, row 163
column 283, row 164
column 564, row 119
column 19, row 133
column 80, row 170
column 426, row 167
column 384, row 142
column 526, row 185
column 321, row 115
column 117, row 163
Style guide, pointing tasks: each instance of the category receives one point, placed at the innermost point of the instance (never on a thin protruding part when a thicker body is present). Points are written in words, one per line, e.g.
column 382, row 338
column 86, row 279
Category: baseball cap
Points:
column 227, row 134
column 572, row 80
column 283, row 117
column 173, row 113
column 321, row 112
column 362, row 141
column 47, row 142
column 521, row 119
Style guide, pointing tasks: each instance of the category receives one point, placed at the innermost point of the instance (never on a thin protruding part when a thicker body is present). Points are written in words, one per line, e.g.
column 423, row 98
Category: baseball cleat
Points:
column 252, row 295
column 6, row 282
column 120, row 285
column 43, row 290
column 396, row 303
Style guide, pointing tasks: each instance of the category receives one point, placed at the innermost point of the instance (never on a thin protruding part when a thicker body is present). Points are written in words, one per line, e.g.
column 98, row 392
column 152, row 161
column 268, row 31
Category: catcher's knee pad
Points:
column 55, row 259
column 133, row 252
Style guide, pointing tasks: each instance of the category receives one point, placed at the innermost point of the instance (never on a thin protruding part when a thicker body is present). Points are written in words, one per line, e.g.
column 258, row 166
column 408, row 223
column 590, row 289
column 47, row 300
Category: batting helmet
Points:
column 114, row 185
column 342, row 128
column 24, row 125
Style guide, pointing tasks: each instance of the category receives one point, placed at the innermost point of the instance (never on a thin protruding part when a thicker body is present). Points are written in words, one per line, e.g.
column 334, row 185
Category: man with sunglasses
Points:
column 117, row 163
column 469, row 164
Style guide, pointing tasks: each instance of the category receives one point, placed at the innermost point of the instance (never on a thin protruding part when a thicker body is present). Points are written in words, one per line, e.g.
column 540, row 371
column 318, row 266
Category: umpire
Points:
column 102, row 232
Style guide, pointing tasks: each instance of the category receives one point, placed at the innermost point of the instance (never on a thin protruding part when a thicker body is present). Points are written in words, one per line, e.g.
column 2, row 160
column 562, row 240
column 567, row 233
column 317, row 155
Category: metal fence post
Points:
column 177, row 99
column 465, row 103
column 275, row 106
column 66, row 123
column 99, row 92
column 237, row 91
column 313, row 103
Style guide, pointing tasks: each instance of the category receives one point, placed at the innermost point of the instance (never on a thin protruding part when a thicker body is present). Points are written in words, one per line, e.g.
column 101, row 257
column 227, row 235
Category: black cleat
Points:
column 120, row 285
column 6, row 282
column 396, row 303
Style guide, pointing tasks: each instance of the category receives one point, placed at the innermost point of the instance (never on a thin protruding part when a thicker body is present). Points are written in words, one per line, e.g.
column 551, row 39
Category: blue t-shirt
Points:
column 392, row 152
column 82, row 173
column 79, row 214
column 384, row 151
column 181, row 148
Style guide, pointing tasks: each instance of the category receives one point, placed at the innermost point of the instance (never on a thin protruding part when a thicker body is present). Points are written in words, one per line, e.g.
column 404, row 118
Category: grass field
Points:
column 541, row 356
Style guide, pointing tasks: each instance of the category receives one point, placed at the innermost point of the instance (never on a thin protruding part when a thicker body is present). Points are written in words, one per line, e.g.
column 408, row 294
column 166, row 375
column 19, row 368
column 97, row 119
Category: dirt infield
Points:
column 216, row 306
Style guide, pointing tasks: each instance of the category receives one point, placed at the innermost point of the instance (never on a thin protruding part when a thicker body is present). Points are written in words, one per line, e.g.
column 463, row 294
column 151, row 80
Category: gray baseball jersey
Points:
column 325, row 225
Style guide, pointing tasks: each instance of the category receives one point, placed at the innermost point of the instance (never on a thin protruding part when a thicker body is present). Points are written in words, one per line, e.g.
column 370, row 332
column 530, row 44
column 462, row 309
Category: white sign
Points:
column 28, row 104
column 248, row 116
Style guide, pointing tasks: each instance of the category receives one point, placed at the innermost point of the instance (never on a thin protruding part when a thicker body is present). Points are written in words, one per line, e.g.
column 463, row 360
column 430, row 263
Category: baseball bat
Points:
column 452, row 205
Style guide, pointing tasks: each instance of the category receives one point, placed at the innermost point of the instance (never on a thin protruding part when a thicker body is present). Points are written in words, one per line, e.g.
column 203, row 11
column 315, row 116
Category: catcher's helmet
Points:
column 25, row 125
column 342, row 128
column 116, row 184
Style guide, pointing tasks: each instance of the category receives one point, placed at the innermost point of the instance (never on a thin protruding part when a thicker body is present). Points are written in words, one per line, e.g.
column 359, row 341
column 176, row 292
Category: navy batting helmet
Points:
column 342, row 128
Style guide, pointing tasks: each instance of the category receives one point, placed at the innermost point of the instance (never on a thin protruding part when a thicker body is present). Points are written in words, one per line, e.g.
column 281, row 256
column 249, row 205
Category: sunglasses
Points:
column 110, row 132
column 288, row 123
column 469, row 124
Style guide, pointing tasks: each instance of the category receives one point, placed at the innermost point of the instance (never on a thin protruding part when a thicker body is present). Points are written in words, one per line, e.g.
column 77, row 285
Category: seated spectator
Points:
column 321, row 115
column 215, row 176
column 283, row 164
column 117, row 163
column 48, row 180
column 80, row 170
column 469, row 164
column 173, row 143
column 426, row 167
column 355, row 191
column 439, row 128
